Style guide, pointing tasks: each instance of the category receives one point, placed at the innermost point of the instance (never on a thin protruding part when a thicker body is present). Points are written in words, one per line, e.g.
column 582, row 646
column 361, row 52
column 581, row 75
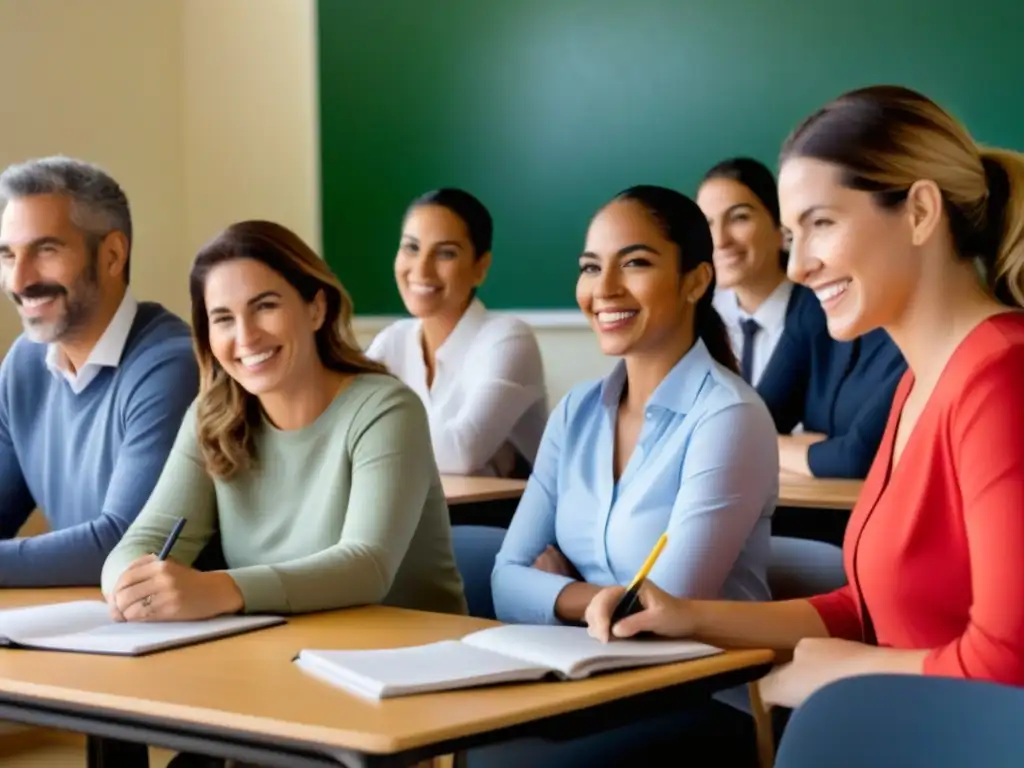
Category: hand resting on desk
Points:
column 164, row 590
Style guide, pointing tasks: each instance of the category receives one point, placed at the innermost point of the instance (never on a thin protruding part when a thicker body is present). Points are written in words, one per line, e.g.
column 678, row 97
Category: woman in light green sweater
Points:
column 312, row 463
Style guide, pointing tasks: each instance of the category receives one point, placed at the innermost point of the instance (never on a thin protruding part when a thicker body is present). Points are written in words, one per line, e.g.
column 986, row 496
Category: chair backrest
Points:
column 804, row 567
column 905, row 721
column 475, row 547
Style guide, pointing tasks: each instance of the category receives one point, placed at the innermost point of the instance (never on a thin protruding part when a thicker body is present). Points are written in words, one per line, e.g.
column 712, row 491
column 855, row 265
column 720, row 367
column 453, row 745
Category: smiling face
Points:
column 857, row 257
column 747, row 241
column 47, row 268
column 262, row 332
column 436, row 267
column 630, row 288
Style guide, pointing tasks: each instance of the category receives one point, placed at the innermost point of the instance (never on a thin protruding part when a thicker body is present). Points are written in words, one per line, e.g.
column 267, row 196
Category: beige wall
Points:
column 250, row 116
column 103, row 84
column 206, row 111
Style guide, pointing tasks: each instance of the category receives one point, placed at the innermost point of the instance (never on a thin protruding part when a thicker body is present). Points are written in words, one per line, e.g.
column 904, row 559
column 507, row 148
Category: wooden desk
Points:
column 241, row 697
column 794, row 490
column 464, row 490
column 820, row 493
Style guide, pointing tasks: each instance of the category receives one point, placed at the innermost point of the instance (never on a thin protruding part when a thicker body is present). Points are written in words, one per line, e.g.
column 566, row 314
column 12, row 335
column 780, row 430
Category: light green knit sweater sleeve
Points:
column 183, row 490
column 392, row 468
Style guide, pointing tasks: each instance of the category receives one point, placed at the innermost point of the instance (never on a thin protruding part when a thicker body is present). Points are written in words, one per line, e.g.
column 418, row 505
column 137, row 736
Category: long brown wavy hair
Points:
column 228, row 416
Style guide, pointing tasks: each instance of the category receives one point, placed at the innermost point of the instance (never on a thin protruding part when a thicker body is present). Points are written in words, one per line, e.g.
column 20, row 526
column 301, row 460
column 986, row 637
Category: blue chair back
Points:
column 904, row 721
column 476, row 546
column 803, row 568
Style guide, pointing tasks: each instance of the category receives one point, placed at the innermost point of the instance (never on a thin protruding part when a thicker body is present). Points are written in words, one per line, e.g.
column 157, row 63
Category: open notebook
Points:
column 85, row 626
column 506, row 654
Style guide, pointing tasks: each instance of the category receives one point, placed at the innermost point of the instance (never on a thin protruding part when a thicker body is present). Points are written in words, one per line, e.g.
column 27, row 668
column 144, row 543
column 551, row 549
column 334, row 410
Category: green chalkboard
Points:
column 546, row 108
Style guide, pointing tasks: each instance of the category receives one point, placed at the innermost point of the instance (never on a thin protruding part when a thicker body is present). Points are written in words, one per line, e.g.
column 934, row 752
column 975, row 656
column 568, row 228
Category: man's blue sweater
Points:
column 88, row 460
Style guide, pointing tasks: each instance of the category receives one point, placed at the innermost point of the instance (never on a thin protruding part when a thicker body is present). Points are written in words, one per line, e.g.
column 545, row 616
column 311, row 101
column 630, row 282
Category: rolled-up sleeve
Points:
column 503, row 383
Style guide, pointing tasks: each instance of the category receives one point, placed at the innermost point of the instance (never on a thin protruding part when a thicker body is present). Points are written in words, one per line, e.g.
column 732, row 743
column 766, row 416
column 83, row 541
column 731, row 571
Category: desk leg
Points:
column 762, row 727
column 112, row 753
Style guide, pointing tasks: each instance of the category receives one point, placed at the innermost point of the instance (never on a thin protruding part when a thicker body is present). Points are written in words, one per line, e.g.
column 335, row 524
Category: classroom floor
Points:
column 42, row 748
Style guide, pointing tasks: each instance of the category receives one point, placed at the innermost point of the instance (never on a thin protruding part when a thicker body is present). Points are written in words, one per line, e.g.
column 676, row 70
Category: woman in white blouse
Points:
column 479, row 374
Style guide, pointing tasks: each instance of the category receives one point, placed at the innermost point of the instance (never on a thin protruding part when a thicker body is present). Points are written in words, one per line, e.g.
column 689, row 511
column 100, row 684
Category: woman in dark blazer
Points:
column 840, row 392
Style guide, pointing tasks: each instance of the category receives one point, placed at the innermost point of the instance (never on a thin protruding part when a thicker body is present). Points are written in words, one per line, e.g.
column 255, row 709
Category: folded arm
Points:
column 524, row 594
column 849, row 455
column 505, row 382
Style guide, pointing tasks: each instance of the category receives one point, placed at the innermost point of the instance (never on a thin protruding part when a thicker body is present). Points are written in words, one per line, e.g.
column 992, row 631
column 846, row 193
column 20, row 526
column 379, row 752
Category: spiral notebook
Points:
column 85, row 626
column 506, row 654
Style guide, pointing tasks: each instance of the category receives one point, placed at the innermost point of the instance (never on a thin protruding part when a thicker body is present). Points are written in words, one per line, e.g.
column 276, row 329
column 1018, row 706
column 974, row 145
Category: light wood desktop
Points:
column 794, row 490
column 460, row 489
column 817, row 492
column 242, row 693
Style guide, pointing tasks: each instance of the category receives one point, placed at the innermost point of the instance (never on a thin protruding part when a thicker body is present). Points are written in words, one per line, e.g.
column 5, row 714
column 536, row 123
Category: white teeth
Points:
column 614, row 317
column 252, row 360
column 832, row 290
column 32, row 303
column 423, row 289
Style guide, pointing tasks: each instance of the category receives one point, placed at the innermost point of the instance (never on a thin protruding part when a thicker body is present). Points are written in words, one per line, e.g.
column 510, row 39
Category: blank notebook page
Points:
column 140, row 637
column 24, row 624
column 571, row 650
column 446, row 664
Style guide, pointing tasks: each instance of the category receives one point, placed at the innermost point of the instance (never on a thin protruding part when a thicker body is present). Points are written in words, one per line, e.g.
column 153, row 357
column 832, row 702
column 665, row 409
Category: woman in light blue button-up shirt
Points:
column 672, row 440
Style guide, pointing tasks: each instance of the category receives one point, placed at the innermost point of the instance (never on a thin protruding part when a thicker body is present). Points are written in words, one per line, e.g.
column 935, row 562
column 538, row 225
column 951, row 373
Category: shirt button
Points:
column 649, row 414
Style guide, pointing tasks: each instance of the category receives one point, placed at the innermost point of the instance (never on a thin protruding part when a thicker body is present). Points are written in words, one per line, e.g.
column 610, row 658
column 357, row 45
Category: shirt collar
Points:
column 727, row 305
column 772, row 312
column 677, row 392
column 108, row 349
column 461, row 337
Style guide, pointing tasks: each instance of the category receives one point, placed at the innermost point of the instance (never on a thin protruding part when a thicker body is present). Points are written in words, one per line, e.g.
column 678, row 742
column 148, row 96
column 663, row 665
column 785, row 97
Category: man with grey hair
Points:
column 94, row 391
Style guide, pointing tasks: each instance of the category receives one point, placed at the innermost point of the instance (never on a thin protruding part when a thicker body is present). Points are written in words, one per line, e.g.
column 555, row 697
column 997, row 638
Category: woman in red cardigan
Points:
column 898, row 220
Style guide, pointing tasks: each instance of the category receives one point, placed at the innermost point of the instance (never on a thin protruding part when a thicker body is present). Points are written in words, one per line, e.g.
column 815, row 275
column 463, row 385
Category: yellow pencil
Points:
column 630, row 602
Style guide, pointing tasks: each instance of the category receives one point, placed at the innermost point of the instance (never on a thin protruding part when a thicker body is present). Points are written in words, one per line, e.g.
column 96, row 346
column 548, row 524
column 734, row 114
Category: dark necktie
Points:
column 750, row 329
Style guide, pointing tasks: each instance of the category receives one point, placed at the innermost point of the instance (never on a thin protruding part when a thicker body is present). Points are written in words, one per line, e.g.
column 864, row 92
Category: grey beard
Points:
column 80, row 304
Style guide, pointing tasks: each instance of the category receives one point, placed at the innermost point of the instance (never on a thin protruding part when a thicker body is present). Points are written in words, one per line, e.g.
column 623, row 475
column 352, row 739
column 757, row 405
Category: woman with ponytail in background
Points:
column 900, row 221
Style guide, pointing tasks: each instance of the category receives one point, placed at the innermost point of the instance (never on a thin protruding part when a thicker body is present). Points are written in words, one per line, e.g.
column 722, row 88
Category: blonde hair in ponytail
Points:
column 886, row 137
column 1006, row 211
